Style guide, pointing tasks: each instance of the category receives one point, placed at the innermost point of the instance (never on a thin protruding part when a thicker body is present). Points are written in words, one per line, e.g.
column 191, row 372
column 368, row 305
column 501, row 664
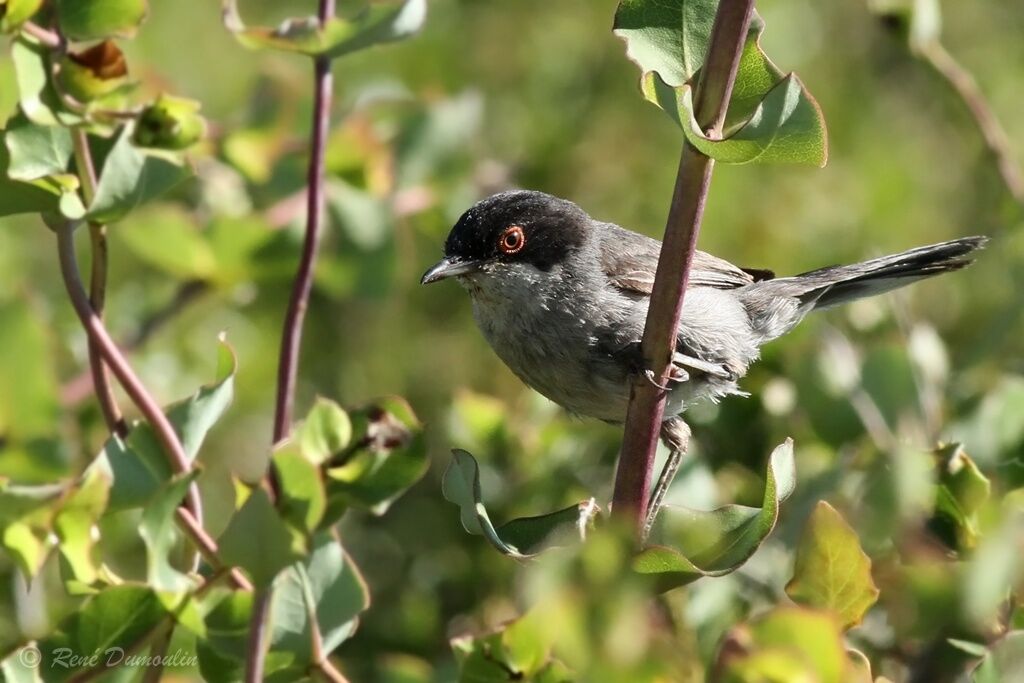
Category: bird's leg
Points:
column 675, row 434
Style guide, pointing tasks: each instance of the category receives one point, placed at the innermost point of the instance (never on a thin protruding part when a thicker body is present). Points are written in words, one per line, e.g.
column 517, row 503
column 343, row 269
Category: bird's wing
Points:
column 630, row 260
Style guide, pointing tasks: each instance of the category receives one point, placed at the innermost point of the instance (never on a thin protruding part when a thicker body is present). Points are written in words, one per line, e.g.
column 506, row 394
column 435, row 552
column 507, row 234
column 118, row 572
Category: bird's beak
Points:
column 448, row 267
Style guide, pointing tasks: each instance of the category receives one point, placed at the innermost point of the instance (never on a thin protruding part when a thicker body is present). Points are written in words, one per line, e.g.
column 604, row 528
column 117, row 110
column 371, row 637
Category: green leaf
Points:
column 26, row 520
column 222, row 653
column 36, row 94
column 14, row 13
column 326, row 587
column 670, row 38
column 961, row 492
column 138, row 464
column 326, row 431
column 377, row 23
column 386, row 457
column 772, row 117
column 786, row 644
column 114, row 618
column 259, row 540
column 75, row 525
column 160, row 534
column 519, row 651
column 1004, row 662
column 130, row 177
column 303, row 501
column 521, row 537
column 832, row 572
column 97, row 19
column 696, row 543
column 18, row 197
column 35, row 151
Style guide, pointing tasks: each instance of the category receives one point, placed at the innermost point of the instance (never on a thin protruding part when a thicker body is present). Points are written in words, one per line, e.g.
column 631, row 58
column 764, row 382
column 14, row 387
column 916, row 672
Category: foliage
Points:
column 893, row 523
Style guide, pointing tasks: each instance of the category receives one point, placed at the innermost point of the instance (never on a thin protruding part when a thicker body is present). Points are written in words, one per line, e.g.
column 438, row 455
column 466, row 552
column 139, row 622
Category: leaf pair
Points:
column 771, row 116
column 519, row 538
column 694, row 543
column 376, row 23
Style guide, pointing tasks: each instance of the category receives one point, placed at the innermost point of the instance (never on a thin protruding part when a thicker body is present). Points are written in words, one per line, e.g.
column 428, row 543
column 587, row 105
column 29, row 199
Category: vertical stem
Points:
column 647, row 401
column 291, row 335
column 97, row 285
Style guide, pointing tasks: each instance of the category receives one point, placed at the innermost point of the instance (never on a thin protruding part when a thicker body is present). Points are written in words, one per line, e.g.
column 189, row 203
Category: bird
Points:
column 562, row 299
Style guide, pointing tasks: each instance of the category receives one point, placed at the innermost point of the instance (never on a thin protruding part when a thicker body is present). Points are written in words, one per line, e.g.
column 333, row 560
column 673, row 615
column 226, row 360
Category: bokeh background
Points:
column 540, row 95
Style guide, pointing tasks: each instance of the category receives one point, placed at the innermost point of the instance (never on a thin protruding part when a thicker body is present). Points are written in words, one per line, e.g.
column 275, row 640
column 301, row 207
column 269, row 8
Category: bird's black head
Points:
column 512, row 227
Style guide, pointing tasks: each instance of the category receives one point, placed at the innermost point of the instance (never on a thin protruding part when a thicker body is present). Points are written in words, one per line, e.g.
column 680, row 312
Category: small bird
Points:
column 562, row 299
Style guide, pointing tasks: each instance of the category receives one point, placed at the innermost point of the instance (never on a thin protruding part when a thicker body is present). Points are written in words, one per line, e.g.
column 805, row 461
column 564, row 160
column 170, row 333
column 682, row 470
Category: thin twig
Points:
column 190, row 515
column 291, row 336
column 97, row 285
column 963, row 83
column 45, row 36
column 157, row 654
column 647, row 401
column 79, row 388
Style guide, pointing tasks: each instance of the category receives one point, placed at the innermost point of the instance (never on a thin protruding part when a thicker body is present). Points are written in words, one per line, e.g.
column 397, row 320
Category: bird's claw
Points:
column 649, row 374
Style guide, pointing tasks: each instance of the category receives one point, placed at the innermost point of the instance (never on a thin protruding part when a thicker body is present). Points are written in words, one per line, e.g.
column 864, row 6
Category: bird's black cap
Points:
column 551, row 229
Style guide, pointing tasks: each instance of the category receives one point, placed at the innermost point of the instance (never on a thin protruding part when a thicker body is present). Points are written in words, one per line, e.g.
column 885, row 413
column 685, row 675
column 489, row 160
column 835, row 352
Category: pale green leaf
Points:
column 130, row 177
column 832, row 572
column 35, row 151
column 326, row 587
column 520, row 537
column 696, row 543
column 161, row 536
column 259, row 540
column 377, row 23
column 96, row 19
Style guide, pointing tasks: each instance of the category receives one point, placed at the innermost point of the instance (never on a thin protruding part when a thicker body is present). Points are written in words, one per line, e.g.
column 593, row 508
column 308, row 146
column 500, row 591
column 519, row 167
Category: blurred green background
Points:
column 540, row 95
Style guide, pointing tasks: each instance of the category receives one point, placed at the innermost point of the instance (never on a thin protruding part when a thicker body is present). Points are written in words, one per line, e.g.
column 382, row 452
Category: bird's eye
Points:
column 512, row 240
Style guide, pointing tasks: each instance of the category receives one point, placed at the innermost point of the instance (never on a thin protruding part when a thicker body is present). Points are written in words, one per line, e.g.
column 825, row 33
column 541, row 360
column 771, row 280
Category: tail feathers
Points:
column 840, row 284
column 768, row 301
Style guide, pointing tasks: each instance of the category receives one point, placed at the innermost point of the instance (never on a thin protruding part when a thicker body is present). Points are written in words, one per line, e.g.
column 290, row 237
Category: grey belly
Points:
column 566, row 368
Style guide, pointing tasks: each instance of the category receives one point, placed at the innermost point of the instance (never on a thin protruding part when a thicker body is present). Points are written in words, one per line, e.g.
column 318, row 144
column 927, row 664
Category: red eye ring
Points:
column 513, row 239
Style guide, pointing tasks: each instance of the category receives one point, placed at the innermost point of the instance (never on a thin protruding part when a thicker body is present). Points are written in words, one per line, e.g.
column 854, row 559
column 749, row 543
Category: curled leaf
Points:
column 377, row 23
column 518, row 538
column 771, row 117
column 697, row 543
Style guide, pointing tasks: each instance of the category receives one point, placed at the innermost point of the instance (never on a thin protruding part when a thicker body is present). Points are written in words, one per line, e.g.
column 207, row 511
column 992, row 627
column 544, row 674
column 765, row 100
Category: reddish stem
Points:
column 647, row 401
column 291, row 335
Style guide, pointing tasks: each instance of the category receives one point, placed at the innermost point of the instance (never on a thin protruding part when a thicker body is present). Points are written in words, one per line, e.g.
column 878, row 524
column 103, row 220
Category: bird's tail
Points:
column 836, row 285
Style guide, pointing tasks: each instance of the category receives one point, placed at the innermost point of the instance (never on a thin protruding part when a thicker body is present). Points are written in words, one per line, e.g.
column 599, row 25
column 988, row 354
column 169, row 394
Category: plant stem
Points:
column 647, row 401
column 291, row 338
column 963, row 83
column 78, row 389
column 291, row 335
column 97, row 285
column 50, row 39
column 191, row 516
